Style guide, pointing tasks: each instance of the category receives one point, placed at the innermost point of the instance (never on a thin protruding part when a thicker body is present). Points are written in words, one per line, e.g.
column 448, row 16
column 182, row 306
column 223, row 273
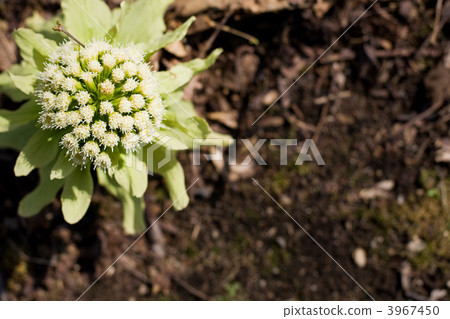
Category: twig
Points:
column 216, row 32
column 443, row 21
column 192, row 290
column 27, row 258
column 253, row 40
column 322, row 120
column 421, row 116
column 60, row 28
column 437, row 19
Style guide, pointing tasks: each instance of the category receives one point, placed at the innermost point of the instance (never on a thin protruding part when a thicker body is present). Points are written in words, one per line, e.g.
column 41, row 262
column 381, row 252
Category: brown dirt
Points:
column 362, row 104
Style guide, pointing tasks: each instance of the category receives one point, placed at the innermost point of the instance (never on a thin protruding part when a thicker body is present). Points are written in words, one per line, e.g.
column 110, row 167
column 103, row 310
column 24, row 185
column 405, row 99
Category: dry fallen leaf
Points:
column 380, row 190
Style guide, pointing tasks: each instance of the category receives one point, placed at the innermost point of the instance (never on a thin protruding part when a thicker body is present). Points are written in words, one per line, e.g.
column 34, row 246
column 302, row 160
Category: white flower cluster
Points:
column 103, row 97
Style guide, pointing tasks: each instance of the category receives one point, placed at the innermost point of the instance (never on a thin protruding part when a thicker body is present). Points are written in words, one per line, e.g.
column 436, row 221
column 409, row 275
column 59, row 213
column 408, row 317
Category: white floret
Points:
column 63, row 101
column 102, row 161
column 49, row 72
column 156, row 107
column 46, row 120
column 108, row 60
column 110, row 139
column 106, row 87
column 118, row 75
column 125, row 105
column 48, row 101
column 130, row 141
column 126, row 124
column 120, row 54
column 147, row 88
column 141, row 120
column 94, row 66
column 106, row 108
column 98, row 129
column 57, row 79
column 73, row 118
column 70, row 84
column 134, row 54
column 130, row 85
column 90, row 149
column 69, row 142
column 82, row 132
column 147, row 135
column 114, row 120
column 87, row 113
column 143, row 71
column 73, row 69
column 83, row 97
column 78, row 158
column 137, row 101
column 101, row 46
column 88, row 76
column 89, row 54
column 129, row 68
column 69, row 57
column 60, row 120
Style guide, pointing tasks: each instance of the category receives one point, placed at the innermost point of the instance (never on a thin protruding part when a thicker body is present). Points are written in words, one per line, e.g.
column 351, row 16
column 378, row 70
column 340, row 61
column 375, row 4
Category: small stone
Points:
column 285, row 200
column 281, row 242
column 143, row 289
column 437, row 294
column 270, row 97
column 263, row 283
column 416, row 245
column 360, row 257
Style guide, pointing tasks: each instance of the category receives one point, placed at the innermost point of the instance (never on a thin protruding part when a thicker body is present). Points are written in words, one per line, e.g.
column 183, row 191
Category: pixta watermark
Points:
column 159, row 155
column 306, row 154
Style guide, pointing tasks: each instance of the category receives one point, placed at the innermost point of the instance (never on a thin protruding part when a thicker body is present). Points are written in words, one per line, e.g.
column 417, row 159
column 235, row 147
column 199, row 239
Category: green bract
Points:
column 100, row 108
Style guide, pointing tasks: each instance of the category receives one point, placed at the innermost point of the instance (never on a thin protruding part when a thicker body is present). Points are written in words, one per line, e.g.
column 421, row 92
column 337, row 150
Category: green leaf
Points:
column 42, row 195
column 34, row 48
column 186, row 129
column 173, row 174
column 40, row 149
column 62, row 167
column 40, row 25
column 218, row 139
column 76, row 195
column 168, row 38
column 141, row 21
column 168, row 141
column 10, row 120
column 133, row 213
column 181, row 74
column 138, row 175
column 181, row 121
column 107, row 182
column 177, row 189
column 133, row 175
column 86, row 19
column 133, row 207
column 24, row 83
column 17, row 139
column 115, row 16
column 7, row 85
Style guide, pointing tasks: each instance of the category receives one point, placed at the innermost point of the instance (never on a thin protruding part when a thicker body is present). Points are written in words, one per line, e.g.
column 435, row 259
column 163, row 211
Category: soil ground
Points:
column 377, row 107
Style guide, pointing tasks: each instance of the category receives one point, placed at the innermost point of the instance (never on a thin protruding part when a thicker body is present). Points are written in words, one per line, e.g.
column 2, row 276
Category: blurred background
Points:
column 377, row 107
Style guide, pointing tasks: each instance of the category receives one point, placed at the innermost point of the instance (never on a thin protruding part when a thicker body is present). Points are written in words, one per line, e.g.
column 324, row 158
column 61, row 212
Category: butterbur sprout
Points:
column 93, row 104
column 98, row 117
